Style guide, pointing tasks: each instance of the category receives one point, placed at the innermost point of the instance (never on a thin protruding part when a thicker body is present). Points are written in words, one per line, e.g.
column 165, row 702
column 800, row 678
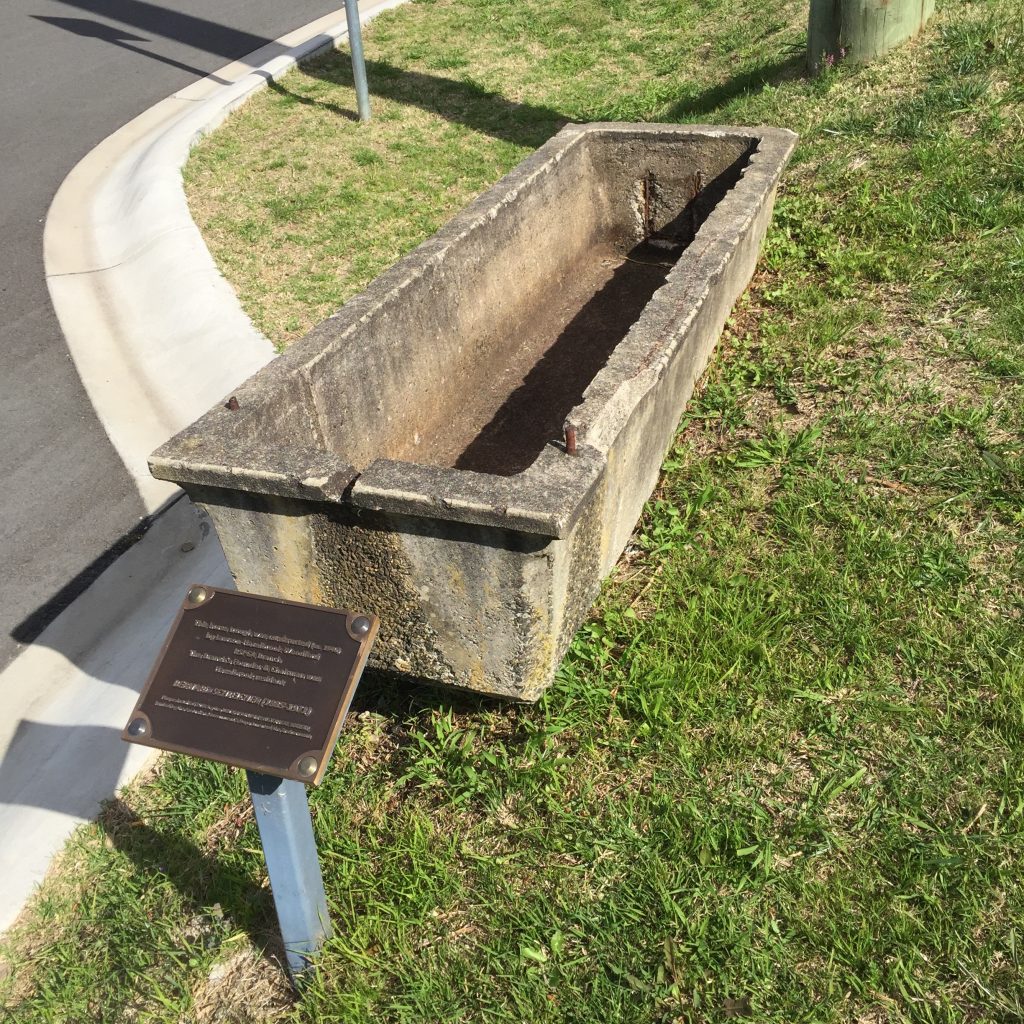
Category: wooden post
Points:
column 861, row 30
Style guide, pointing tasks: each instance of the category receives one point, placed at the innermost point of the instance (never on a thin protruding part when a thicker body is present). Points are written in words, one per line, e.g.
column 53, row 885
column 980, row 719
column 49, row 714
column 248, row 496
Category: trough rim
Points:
column 547, row 497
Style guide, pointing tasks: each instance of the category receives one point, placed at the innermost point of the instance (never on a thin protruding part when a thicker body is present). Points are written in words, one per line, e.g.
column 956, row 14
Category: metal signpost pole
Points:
column 282, row 814
column 355, row 42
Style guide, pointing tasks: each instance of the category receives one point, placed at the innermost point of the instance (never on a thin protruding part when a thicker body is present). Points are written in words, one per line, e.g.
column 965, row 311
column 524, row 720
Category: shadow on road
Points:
column 200, row 33
column 117, row 37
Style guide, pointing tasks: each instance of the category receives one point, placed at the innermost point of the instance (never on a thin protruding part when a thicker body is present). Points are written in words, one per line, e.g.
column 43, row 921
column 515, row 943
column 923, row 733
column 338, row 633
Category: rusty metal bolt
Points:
column 570, row 439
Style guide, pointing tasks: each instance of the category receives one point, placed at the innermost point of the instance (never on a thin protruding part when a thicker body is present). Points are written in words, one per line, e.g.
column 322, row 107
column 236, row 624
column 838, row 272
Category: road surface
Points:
column 73, row 72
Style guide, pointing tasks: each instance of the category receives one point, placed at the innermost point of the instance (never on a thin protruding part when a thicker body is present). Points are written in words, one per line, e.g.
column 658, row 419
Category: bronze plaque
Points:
column 254, row 682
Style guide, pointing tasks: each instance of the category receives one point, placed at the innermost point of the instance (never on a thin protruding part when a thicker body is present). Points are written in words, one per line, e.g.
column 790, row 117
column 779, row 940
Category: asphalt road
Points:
column 73, row 71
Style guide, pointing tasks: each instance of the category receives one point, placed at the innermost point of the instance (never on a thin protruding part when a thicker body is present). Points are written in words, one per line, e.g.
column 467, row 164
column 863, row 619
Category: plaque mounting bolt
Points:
column 361, row 626
column 197, row 595
column 308, row 767
column 138, row 727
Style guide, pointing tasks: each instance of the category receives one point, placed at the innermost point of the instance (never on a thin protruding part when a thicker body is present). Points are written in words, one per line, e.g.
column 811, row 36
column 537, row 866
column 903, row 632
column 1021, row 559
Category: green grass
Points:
column 780, row 772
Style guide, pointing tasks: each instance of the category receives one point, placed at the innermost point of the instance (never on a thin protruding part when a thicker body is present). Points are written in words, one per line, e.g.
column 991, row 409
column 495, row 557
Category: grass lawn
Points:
column 780, row 775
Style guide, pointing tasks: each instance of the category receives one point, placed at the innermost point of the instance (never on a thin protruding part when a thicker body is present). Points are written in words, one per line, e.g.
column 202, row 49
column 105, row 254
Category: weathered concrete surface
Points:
column 392, row 462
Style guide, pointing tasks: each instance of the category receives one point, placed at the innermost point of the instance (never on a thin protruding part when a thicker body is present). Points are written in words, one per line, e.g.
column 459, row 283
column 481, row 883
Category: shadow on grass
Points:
column 205, row 879
column 408, row 705
column 743, row 84
column 484, row 110
column 396, row 695
column 202, row 880
column 125, row 40
column 458, row 102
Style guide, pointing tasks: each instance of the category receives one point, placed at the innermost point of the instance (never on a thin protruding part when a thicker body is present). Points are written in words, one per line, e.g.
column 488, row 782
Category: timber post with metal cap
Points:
column 861, row 30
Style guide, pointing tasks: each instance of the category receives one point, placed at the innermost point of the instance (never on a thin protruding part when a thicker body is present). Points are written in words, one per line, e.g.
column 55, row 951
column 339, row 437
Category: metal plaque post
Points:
column 355, row 42
column 262, row 684
column 282, row 814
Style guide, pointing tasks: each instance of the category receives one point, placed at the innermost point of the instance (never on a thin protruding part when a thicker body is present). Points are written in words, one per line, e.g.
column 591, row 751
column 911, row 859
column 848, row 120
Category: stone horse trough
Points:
column 465, row 448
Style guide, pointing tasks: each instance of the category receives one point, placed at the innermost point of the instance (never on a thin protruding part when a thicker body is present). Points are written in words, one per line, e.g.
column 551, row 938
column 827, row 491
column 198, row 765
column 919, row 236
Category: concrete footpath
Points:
column 157, row 337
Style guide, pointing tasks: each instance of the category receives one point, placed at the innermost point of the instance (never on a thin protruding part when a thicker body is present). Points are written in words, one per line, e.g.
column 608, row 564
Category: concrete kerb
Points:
column 64, row 701
column 156, row 333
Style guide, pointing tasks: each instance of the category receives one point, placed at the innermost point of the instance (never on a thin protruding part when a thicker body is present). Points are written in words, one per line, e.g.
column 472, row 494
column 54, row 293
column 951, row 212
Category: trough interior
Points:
column 475, row 362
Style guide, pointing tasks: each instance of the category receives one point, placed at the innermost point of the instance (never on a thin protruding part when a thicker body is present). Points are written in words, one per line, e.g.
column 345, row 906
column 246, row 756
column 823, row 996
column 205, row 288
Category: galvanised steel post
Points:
column 355, row 42
column 286, row 829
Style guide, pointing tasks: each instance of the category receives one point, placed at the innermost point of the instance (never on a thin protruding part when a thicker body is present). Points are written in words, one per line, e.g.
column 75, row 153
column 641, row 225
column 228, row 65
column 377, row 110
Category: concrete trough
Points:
column 412, row 455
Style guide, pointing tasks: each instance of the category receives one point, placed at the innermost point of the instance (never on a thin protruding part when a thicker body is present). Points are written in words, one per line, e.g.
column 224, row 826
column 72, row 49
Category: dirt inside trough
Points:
column 501, row 427
column 501, row 424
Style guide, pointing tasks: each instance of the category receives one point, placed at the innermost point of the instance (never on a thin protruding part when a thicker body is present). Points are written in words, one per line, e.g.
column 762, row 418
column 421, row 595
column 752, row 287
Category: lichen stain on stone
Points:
column 362, row 567
column 294, row 555
column 456, row 580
